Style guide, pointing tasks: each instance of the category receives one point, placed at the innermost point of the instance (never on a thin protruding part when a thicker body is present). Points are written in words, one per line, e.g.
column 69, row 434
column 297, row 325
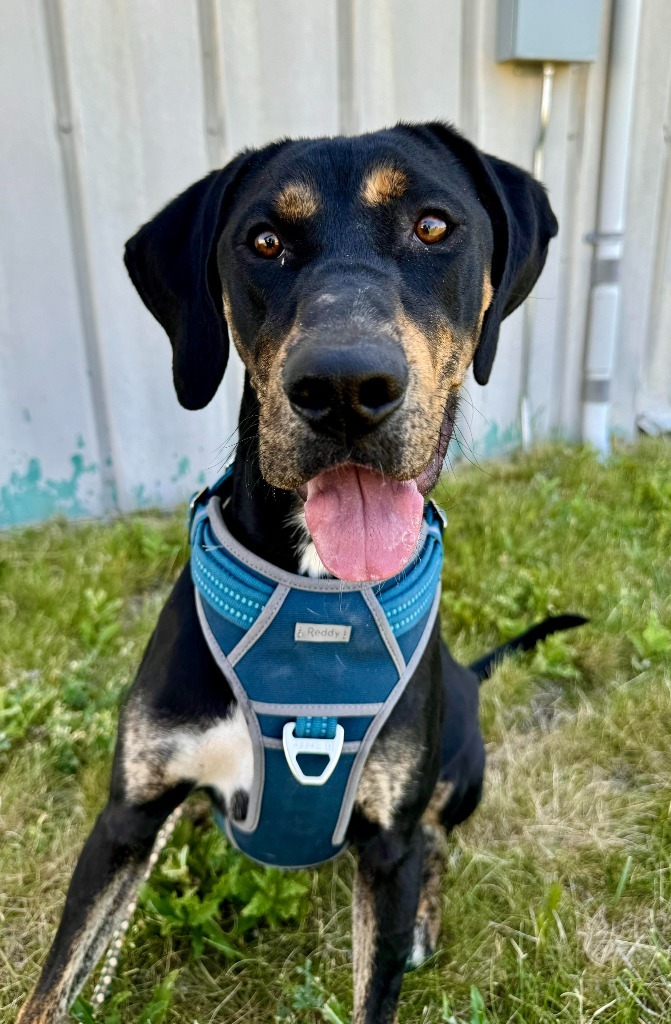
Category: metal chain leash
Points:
column 111, row 961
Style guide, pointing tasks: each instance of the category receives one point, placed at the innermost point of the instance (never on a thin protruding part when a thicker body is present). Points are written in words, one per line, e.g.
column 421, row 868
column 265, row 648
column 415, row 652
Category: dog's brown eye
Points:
column 268, row 244
column 430, row 229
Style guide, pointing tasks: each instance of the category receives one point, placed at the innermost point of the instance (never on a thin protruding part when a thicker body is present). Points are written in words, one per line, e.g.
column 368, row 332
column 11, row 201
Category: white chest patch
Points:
column 309, row 562
column 157, row 758
column 220, row 757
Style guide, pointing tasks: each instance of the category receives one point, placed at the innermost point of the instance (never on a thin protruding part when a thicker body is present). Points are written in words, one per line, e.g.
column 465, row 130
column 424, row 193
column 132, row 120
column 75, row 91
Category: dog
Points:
column 359, row 278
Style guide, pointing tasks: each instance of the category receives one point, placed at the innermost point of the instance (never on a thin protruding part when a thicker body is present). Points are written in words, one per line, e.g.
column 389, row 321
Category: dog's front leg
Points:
column 107, row 874
column 386, row 894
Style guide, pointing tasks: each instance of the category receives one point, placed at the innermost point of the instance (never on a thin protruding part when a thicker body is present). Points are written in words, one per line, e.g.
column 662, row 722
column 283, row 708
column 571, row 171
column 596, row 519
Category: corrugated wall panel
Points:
column 49, row 457
column 280, row 69
column 159, row 91
column 656, row 375
column 643, row 375
column 583, row 145
column 406, row 61
column 137, row 80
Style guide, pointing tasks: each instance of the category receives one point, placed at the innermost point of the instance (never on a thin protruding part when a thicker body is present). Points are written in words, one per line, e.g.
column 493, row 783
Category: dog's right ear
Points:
column 172, row 263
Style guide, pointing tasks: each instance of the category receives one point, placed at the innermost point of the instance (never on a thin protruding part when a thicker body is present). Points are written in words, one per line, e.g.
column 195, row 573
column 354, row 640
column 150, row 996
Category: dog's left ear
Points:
column 523, row 224
column 172, row 263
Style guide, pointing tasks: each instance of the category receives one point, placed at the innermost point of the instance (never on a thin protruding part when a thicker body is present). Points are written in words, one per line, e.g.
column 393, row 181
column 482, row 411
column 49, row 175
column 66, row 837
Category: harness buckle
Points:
column 295, row 745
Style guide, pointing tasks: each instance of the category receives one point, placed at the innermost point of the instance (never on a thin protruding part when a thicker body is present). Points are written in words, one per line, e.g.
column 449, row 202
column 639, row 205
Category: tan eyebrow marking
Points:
column 383, row 184
column 297, row 201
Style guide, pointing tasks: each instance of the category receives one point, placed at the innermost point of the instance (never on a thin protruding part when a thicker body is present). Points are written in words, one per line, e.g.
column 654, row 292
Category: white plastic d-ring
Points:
column 295, row 745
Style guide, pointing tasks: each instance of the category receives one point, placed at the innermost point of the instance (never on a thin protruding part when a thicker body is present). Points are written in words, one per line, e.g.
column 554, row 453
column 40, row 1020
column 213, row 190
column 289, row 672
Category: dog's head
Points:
column 358, row 278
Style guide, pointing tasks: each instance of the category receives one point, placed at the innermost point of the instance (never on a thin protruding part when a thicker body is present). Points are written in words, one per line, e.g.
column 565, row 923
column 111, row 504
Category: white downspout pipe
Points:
column 608, row 239
column 528, row 321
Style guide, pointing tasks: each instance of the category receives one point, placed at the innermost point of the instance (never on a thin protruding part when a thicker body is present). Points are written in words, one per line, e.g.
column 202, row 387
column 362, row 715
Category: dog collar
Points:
column 317, row 666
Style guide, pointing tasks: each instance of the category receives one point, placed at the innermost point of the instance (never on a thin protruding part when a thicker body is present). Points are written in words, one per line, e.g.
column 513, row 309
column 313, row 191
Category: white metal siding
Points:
column 109, row 109
column 47, row 425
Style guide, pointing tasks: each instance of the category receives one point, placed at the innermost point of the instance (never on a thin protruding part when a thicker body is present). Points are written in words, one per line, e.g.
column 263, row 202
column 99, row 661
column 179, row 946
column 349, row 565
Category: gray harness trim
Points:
column 290, row 710
column 390, row 641
column 260, row 626
column 373, row 732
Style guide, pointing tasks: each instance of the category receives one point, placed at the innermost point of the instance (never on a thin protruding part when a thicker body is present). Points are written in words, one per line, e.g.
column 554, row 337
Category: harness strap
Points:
column 317, row 727
column 240, row 595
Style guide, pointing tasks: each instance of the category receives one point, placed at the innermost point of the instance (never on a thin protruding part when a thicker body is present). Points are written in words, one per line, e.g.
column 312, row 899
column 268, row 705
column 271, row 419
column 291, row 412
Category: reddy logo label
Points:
column 322, row 633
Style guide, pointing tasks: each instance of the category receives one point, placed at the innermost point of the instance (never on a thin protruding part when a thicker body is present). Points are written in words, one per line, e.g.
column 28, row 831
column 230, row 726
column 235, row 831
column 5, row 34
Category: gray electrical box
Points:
column 548, row 30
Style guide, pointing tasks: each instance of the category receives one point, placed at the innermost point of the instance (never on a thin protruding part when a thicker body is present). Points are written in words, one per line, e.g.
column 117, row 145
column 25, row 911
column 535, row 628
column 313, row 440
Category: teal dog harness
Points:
column 317, row 666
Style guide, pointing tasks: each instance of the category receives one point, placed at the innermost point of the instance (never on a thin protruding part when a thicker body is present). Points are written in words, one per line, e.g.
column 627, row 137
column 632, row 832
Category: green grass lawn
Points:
column 557, row 894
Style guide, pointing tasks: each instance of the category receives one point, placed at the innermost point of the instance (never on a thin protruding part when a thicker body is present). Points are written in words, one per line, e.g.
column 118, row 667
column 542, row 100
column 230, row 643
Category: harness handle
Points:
column 295, row 745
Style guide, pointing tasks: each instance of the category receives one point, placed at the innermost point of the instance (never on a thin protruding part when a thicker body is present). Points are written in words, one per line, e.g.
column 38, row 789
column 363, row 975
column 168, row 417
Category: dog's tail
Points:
column 485, row 666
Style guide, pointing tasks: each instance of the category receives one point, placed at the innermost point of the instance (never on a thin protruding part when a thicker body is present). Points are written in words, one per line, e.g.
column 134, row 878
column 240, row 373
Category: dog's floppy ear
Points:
column 172, row 263
column 523, row 224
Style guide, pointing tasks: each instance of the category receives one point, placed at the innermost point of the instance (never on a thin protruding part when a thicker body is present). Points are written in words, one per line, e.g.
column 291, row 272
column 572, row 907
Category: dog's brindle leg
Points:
column 428, row 919
column 180, row 729
column 107, row 874
column 386, row 893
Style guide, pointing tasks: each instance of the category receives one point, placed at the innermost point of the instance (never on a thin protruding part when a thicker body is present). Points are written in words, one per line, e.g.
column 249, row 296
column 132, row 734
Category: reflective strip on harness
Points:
column 313, row 709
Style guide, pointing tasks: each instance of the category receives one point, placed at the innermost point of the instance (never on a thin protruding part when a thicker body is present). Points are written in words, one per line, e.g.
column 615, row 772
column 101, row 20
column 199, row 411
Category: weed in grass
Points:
column 154, row 1013
column 204, row 894
column 556, row 894
column 308, row 993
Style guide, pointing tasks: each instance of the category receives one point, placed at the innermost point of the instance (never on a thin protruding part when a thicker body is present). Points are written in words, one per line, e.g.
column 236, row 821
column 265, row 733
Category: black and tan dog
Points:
column 359, row 278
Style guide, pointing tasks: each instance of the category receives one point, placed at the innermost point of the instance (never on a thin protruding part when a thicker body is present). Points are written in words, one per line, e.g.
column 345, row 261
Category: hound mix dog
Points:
column 358, row 278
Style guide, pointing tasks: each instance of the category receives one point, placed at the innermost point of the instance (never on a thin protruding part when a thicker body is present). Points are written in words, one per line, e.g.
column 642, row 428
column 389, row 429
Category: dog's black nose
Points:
column 346, row 389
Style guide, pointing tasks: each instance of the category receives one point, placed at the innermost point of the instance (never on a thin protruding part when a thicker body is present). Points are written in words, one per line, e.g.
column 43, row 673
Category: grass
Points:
column 557, row 894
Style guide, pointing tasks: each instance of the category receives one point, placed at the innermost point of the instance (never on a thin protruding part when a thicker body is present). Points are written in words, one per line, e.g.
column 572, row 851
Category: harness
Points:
column 317, row 666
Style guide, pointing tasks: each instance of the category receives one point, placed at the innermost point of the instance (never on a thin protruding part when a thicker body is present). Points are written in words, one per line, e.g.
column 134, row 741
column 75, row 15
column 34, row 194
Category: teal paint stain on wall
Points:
column 29, row 497
column 498, row 441
column 142, row 499
column 183, row 467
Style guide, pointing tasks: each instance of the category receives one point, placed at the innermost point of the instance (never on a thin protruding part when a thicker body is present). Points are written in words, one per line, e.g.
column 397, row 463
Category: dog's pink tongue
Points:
column 363, row 526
